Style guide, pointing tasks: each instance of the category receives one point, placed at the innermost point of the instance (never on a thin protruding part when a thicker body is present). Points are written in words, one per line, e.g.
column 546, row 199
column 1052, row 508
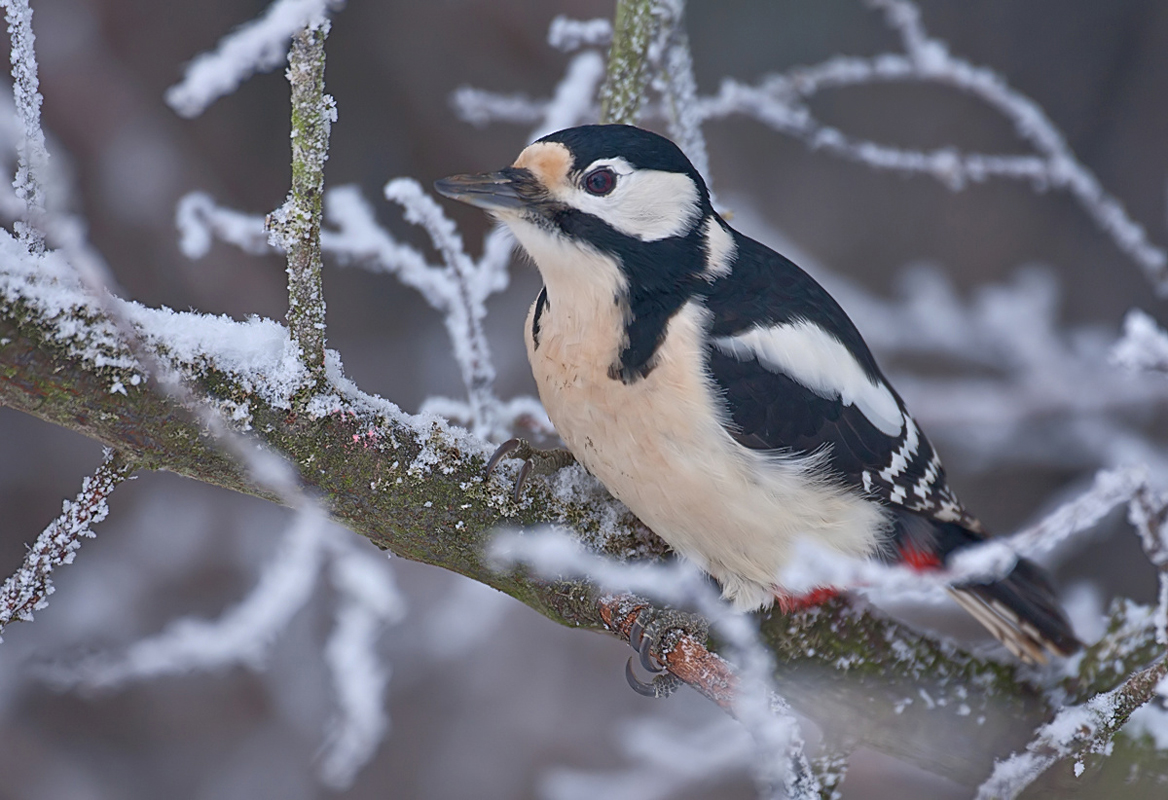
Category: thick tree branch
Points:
column 415, row 486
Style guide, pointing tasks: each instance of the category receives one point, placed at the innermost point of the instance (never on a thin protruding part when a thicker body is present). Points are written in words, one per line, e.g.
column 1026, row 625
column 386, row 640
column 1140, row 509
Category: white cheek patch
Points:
column 813, row 357
column 648, row 204
column 720, row 250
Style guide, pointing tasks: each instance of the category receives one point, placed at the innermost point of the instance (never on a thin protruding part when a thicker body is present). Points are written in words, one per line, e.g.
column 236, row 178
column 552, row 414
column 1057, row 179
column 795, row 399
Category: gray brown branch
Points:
column 296, row 224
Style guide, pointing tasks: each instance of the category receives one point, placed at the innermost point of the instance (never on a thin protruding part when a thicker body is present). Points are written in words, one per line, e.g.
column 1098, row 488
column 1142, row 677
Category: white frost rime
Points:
column 29, row 588
column 258, row 46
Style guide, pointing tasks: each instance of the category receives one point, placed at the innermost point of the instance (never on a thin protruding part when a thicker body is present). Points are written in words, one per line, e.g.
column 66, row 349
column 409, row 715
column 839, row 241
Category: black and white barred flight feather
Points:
column 717, row 389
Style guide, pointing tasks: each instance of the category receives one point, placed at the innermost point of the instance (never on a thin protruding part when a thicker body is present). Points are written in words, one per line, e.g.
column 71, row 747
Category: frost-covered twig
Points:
column 458, row 288
column 779, row 101
column 673, row 78
column 258, row 46
column 369, row 601
column 295, row 226
column 568, row 34
column 28, row 589
column 242, row 635
column 572, row 101
column 1148, row 513
column 1075, row 733
column 465, row 286
column 1144, row 345
column 199, row 221
column 30, row 173
column 814, row 567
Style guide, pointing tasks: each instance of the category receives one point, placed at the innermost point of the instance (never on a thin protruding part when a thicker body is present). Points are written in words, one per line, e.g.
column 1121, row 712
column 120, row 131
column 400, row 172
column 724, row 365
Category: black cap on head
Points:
column 641, row 148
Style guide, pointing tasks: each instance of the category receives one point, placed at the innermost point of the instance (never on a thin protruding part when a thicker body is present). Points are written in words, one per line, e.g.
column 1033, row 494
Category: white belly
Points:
column 658, row 444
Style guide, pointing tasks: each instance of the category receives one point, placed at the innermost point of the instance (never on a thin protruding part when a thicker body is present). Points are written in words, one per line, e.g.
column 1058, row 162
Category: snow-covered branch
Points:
column 1075, row 733
column 243, row 635
column 29, row 588
column 370, row 601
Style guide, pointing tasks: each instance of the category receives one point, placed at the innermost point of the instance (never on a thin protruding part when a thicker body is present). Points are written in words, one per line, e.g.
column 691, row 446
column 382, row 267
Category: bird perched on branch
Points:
column 718, row 390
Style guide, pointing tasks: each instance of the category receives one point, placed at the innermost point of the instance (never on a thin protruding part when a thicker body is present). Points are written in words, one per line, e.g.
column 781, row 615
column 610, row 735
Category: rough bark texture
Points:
column 297, row 223
column 627, row 75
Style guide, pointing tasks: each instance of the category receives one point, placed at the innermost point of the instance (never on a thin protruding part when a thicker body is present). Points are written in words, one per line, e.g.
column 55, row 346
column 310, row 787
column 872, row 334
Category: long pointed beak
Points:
column 506, row 190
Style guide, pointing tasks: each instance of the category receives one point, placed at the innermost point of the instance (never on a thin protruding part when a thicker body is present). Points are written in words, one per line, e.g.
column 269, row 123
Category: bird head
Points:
column 614, row 190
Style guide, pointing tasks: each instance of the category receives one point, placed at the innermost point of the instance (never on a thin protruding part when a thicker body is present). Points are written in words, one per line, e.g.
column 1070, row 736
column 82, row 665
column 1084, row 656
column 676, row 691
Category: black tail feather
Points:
column 1021, row 610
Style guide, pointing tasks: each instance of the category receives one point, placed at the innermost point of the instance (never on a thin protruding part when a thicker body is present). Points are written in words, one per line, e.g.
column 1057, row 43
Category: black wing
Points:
column 770, row 410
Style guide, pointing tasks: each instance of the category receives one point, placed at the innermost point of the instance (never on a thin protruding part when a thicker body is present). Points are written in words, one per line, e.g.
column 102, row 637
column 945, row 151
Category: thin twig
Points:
column 28, row 589
column 296, row 224
column 32, row 150
column 1074, row 733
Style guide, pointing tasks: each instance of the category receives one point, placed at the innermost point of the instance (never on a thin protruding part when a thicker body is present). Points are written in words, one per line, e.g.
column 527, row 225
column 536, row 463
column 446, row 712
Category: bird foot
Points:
column 659, row 630
column 539, row 462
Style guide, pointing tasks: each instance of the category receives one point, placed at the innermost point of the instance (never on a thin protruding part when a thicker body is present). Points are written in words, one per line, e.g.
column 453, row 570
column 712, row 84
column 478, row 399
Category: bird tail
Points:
column 1021, row 610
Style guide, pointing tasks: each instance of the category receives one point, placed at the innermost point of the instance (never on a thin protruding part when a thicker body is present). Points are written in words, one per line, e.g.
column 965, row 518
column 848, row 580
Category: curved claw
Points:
column 660, row 686
column 649, row 662
column 524, row 471
column 637, row 640
column 635, row 683
column 501, row 452
column 636, row 634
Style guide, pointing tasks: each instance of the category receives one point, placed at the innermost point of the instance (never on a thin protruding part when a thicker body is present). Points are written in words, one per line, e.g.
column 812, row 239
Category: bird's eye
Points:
column 600, row 181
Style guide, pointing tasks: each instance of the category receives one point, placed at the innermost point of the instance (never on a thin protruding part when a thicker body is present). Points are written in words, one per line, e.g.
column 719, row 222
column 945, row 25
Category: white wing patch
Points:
column 812, row 356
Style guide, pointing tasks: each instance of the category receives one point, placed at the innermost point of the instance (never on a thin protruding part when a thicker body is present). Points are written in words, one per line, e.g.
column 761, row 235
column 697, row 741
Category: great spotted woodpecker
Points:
column 718, row 390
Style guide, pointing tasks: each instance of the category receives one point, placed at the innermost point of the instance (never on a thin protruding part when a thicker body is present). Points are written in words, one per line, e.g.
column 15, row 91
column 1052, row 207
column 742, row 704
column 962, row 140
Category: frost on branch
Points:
column 566, row 34
column 242, row 635
column 369, row 601
column 458, row 288
column 1144, row 345
column 33, row 154
column 1075, row 733
column 29, row 588
column 780, row 101
column 295, row 226
column 258, row 46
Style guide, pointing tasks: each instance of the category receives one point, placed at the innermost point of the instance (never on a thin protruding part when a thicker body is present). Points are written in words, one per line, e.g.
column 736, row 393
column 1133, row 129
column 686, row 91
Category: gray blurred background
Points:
column 533, row 697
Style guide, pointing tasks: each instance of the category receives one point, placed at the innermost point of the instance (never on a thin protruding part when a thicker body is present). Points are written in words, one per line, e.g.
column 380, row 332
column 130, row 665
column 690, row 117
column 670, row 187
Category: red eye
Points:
column 600, row 181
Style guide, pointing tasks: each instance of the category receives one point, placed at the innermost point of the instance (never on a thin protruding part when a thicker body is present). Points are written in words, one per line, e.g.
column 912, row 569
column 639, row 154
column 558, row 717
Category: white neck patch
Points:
column 810, row 355
column 720, row 251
